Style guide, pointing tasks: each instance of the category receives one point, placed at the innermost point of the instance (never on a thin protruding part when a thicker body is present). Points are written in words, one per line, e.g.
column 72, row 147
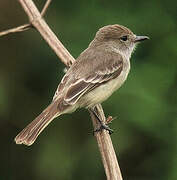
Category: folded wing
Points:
column 87, row 73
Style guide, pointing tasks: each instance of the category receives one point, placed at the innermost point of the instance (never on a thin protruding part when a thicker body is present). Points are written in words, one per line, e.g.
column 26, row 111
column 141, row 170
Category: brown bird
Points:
column 99, row 71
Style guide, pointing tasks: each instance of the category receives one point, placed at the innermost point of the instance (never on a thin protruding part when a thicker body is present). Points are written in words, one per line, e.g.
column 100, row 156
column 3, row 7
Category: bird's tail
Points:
column 29, row 134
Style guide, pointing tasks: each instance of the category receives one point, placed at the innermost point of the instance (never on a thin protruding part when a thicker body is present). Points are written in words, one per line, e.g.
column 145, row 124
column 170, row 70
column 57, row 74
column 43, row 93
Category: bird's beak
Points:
column 140, row 38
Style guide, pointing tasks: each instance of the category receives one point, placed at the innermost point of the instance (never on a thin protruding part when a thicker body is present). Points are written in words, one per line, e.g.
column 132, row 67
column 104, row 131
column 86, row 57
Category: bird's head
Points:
column 119, row 37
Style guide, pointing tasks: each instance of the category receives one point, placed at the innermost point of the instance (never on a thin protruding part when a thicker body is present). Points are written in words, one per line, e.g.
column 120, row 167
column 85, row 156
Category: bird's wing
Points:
column 87, row 73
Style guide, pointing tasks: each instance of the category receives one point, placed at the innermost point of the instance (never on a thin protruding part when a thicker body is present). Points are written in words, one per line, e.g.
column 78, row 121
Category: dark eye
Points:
column 124, row 38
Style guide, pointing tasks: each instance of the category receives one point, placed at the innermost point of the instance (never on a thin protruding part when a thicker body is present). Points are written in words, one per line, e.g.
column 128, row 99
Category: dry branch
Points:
column 45, row 7
column 36, row 20
column 25, row 26
column 16, row 29
column 106, row 148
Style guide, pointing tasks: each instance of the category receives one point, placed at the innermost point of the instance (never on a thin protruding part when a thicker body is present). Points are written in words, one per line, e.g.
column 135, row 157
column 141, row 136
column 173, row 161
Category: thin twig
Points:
column 45, row 7
column 16, row 29
column 25, row 26
column 109, row 159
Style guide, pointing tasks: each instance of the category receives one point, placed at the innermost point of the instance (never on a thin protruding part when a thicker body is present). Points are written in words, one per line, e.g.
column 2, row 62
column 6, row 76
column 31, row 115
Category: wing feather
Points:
column 80, row 79
column 83, row 86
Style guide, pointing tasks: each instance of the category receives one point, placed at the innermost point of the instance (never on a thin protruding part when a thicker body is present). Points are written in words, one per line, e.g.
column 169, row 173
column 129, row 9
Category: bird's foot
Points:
column 103, row 126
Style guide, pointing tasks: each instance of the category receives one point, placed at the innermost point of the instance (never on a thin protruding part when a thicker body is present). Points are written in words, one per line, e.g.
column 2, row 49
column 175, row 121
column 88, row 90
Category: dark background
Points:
column 145, row 137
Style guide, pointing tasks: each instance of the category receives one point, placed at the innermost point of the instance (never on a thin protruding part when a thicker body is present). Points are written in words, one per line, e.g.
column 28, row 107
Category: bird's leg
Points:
column 102, row 124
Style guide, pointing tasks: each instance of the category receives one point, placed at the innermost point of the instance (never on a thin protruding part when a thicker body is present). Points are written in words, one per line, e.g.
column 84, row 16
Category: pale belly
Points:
column 101, row 93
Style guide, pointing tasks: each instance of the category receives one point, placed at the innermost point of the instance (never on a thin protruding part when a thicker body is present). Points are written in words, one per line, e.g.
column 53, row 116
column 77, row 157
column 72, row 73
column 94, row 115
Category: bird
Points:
column 97, row 73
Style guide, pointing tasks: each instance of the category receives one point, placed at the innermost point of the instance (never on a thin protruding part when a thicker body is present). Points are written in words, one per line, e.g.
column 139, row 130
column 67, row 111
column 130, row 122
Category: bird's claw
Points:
column 103, row 126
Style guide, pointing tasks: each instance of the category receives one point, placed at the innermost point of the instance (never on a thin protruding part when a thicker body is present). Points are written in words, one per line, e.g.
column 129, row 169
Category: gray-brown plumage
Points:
column 100, row 70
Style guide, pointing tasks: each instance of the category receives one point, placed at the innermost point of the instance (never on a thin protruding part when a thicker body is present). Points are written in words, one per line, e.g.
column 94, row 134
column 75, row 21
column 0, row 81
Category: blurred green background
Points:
column 145, row 137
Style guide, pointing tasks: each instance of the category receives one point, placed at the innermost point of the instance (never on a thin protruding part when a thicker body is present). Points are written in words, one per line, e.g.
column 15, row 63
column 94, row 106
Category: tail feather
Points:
column 29, row 134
